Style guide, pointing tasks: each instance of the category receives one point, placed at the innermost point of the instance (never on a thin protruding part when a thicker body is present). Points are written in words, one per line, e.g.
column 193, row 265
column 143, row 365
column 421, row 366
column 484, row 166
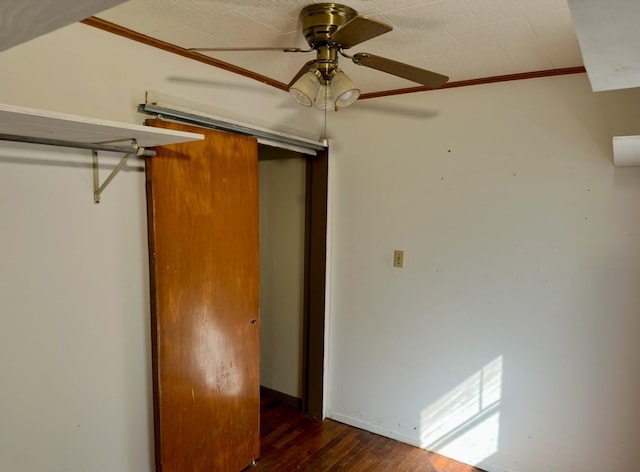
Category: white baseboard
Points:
column 398, row 436
column 373, row 428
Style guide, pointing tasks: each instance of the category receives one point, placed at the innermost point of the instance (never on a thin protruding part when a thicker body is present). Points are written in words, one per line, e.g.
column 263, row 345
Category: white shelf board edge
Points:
column 30, row 122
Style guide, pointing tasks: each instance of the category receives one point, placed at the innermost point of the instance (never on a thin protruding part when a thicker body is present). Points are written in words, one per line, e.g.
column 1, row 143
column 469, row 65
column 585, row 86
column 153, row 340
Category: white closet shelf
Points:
column 29, row 122
column 60, row 129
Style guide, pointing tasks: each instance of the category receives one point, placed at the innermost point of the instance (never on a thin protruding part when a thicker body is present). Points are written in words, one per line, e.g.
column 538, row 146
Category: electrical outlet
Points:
column 398, row 258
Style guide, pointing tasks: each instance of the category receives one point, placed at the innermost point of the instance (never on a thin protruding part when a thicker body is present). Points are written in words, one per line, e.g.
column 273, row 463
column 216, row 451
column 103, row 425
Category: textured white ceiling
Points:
column 464, row 39
column 22, row 20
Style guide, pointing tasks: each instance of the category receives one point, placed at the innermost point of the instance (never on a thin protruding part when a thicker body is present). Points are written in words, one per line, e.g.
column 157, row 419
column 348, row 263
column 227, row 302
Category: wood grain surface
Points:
column 292, row 441
column 203, row 235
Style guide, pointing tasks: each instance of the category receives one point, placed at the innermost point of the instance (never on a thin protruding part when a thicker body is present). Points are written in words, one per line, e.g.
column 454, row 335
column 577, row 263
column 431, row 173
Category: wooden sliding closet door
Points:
column 203, row 242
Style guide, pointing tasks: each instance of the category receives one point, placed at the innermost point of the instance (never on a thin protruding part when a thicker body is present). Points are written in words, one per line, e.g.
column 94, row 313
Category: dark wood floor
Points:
column 291, row 441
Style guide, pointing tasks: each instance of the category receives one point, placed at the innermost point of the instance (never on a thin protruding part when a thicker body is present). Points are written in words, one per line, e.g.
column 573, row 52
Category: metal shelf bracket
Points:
column 132, row 149
column 99, row 188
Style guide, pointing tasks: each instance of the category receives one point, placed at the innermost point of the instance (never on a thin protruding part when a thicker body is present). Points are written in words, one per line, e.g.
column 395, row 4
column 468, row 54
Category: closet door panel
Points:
column 203, row 241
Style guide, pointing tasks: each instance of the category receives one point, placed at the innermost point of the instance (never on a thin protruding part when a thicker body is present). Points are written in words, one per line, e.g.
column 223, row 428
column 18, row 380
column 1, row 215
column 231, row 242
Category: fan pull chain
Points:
column 324, row 131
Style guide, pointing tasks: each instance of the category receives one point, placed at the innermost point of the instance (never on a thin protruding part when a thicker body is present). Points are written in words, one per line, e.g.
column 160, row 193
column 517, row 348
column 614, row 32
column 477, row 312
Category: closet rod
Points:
column 132, row 149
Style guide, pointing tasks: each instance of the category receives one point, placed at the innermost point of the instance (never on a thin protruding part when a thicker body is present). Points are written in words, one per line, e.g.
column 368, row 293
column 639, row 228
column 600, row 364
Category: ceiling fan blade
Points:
column 232, row 49
column 305, row 68
column 359, row 30
column 400, row 69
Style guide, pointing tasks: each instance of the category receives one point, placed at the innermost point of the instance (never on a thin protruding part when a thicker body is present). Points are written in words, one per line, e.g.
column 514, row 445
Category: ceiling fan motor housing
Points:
column 321, row 20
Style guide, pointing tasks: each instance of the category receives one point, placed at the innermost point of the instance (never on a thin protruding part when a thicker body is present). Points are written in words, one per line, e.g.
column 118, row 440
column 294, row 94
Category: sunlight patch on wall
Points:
column 465, row 422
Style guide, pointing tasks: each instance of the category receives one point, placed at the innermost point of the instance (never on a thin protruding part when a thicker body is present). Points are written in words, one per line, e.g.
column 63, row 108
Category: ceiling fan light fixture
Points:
column 338, row 92
column 343, row 89
column 324, row 98
column 305, row 89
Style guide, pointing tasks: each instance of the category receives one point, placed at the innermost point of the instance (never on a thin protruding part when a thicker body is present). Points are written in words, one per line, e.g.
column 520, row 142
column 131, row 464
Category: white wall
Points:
column 282, row 218
column 74, row 329
column 509, row 339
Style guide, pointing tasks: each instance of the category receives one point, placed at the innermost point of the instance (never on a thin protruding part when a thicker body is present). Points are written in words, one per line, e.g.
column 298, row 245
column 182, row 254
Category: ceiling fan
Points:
column 330, row 29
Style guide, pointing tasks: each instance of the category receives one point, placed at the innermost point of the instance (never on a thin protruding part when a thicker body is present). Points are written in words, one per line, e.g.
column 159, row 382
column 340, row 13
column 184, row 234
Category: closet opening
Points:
column 293, row 214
